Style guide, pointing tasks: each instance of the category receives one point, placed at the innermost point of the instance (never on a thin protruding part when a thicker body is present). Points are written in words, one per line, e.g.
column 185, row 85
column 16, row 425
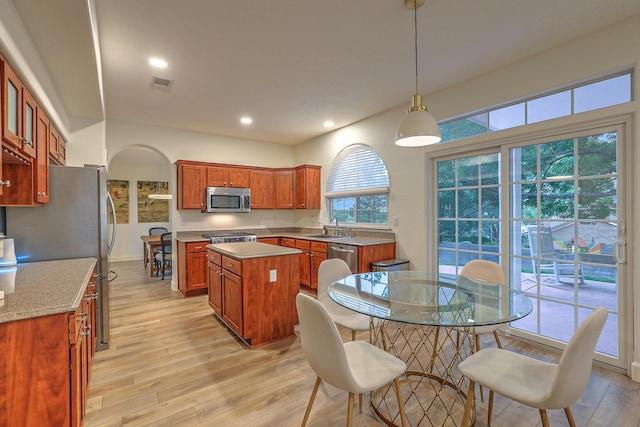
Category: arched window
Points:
column 358, row 186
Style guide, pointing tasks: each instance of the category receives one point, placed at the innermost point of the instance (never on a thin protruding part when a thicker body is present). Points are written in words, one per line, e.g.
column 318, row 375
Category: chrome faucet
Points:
column 338, row 232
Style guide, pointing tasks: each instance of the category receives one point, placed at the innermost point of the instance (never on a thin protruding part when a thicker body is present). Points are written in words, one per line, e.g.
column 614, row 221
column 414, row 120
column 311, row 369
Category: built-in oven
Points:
column 347, row 253
column 228, row 237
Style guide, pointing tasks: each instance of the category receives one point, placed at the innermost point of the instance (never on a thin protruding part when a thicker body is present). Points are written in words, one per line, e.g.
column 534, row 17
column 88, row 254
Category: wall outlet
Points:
column 273, row 275
column 395, row 220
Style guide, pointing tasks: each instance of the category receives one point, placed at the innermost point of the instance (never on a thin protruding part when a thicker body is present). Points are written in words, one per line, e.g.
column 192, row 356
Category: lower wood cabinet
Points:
column 269, row 240
column 313, row 253
column 46, row 367
column 255, row 297
column 192, row 267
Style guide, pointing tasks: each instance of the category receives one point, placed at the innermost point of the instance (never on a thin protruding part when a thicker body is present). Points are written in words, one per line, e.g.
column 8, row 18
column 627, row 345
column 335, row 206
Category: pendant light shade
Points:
column 418, row 128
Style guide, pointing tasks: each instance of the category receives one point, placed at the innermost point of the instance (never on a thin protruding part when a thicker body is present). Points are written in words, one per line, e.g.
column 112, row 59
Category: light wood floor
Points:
column 172, row 363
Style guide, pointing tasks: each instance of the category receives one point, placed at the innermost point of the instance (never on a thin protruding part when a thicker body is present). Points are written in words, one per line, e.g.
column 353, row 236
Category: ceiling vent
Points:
column 160, row 84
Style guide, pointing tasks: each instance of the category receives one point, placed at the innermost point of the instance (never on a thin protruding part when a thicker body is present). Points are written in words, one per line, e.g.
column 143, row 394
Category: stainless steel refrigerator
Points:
column 73, row 225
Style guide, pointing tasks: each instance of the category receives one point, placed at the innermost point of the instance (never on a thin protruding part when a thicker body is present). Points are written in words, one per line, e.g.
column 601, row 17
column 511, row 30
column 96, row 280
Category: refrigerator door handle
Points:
column 115, row 223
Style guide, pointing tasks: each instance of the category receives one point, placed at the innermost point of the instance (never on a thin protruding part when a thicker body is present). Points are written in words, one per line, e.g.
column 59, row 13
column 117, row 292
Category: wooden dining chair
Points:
column 164, row 257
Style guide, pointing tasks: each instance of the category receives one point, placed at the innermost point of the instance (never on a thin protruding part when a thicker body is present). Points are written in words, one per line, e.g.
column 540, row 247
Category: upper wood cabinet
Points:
column 18, row 114
column 192, row 185
column 57, row 147
column 307, row 187
column 220, row 176
column 283, row 189
column 41, row 169
column 261, row 184
column 271, row 188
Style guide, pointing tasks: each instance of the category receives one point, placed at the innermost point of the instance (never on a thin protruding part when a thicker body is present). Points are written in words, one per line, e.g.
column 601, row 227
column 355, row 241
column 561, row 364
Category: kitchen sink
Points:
column 322, row 236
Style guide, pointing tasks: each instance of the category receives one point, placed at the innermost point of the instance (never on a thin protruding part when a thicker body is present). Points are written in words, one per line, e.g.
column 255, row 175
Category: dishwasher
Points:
column 347, row 253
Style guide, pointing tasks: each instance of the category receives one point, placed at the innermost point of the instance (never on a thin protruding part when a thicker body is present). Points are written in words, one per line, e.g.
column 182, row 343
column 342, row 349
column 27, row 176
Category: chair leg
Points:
column 353, row 335
column 403, row 417
column 383, row 336
column 545, row 419
column 567, row 412
column 360, row 402
column 350, row 411
column 311, row 399
column 490, row 407
column 434, row 353
column 497, row 336
column 477, row 337
column 467, row 406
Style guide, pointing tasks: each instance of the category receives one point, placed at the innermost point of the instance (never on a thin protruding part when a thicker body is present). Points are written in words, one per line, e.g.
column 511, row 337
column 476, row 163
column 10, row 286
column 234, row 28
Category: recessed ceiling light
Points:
column 246, row 120
column 158, row 63
column 329, row 124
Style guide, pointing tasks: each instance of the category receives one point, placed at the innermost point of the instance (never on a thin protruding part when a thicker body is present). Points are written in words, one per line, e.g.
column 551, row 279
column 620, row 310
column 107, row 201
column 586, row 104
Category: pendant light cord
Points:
column 415, row 36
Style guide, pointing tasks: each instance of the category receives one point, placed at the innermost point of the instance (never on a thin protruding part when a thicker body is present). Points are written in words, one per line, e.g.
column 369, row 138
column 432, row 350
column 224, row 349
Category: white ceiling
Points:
column 289, row 64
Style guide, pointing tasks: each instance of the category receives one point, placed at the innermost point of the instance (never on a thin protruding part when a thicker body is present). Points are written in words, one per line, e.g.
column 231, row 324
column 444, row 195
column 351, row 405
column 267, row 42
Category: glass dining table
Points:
column 427, row 320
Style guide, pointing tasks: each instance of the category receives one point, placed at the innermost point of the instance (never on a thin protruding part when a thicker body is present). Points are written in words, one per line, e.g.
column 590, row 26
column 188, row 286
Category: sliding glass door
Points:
column 551, row 213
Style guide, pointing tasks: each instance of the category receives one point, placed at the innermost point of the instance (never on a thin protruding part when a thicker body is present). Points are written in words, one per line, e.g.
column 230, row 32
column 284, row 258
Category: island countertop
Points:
column 242, row 250
column 43, row 288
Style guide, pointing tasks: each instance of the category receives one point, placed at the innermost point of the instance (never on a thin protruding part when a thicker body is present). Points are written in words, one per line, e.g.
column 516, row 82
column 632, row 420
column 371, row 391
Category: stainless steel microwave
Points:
column 228, row 199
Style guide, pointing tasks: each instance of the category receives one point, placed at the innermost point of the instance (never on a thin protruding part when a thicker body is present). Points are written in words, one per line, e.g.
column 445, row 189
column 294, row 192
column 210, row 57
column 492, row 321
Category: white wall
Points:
column 133, row 165
column 86, row 143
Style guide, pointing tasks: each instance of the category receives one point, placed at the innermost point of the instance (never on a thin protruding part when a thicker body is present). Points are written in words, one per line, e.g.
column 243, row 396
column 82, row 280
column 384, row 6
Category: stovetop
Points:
column 226, row 234
column 227, row 237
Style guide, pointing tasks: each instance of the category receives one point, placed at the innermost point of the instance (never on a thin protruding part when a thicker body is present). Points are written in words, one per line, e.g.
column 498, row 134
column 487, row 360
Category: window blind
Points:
column 357, row 169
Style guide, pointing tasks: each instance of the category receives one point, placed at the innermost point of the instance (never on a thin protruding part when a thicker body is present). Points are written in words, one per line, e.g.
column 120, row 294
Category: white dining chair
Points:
column 532, row 382
column 354, row 366
column 491, row 272
column 329, row 271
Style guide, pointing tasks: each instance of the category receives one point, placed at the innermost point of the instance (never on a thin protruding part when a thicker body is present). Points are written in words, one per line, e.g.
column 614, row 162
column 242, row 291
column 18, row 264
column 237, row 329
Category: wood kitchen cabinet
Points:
column 261, row 184
column 192, row 267
column 255, row 297
column 307, row 187
column 19, row 114
column 283, row 189
column 30, row 182
column 41, row 169
column 192, row 185
column 269, row 240
column 313, row 253
column 46, row 366
column 271, row 188
column 221, row 176
column 372, row 253
column 214, row 281
column 57, row 147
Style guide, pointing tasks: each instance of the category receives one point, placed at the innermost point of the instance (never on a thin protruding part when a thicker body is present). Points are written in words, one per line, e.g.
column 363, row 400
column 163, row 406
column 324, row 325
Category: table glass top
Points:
column 428, row 299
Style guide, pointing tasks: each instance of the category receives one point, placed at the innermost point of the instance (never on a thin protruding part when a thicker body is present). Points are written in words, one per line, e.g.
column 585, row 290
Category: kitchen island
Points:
column 47, row 341
column 252, row 289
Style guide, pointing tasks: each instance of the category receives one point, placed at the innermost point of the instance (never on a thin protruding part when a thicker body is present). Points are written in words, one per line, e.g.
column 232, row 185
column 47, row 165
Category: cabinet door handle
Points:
column 6, row 183
column 81, row 317
column 229, row 265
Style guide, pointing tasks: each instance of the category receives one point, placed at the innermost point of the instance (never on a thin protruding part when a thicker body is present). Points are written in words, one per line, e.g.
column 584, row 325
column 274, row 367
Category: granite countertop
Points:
column 244, row 250
column 188, row 237
column 43, row 288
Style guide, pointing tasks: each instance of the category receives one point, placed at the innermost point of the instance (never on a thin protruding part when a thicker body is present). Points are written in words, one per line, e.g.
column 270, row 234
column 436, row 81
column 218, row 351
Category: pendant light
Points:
column 418, row 128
